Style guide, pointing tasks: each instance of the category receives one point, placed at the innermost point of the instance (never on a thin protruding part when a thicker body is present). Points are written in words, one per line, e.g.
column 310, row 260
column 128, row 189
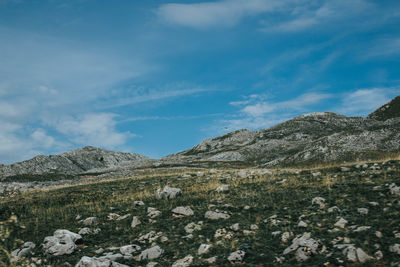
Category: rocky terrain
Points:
column 332, row 216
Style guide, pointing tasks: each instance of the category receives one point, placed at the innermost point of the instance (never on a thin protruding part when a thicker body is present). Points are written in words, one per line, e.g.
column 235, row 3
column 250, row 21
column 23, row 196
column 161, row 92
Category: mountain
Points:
column 310, row 138
column 387, row 111
column 82, row 160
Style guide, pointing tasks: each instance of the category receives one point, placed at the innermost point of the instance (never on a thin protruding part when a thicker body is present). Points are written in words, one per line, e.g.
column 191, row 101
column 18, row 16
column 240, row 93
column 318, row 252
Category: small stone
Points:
column 138, row 203
column 90, row 221
column 236, row 257
column 235, row 227
column 135, row 222
column 378, row 255
column 341, row 223
column 191, row 227
column 333, row 209
column 362, row 256
column 320, row 201
column 151, row 253
column 168, row 193
column 186, row 261
column 362, row 211
column 212, row 215
column 211, row 260
column 302, row 224
column 222, row 188
column 153, row 212
column 246, row 207
column 129, row 249
column 254, row 227
column 204, row 248
column 362, row 228
column 182, row 211
column 344, row 169
column 395, row 248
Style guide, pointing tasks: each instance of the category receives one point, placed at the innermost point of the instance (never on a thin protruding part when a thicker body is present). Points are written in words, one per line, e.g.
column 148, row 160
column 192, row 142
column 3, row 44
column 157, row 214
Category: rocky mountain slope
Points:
column 310, row 138
column 79, row 161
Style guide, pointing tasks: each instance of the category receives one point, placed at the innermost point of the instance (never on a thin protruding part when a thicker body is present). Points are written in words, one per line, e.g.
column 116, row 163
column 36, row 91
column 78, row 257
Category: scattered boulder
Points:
column 117, row 217
column 25, row 252
column 153, row 212
column 362, row 211
column 394, row 189
column 63, row 242
column 236, row 257
column 355, row 254
column 97, row 262
column 320, row 201
column 302, row 224
column 151, row 253
column 211, row 260
column 212, row 215
column 129, row 249
column 341, row 223
column 182, row 212
column 87, row 231
column 235, row 227
column 138, row 203
column 135, row 222
column 204, row 248
column 186, row 261
column 90, row 221
column 242, row 174
column 395, row 249
column 222, row 188
column 191, row 227
column 344, row 169
column 304, row 246
column 150, row 237
column 168, row 193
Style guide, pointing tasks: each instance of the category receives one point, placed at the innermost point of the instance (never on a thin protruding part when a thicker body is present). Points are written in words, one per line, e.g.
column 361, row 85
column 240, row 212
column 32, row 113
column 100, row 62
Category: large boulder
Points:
column 168, row 193
column 151, row 253
column 63, row 242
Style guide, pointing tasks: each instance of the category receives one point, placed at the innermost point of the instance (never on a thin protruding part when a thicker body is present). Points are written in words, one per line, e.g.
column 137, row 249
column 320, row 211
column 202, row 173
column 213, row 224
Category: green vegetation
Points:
column 287, row 193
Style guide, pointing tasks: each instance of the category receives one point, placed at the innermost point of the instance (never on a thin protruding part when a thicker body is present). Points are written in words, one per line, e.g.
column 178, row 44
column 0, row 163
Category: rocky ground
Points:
column 331, row 216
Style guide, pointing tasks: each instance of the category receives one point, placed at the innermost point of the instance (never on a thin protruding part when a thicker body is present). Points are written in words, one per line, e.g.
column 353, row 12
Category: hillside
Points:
column 307, row 139
column 330, row 216
column 79, row 161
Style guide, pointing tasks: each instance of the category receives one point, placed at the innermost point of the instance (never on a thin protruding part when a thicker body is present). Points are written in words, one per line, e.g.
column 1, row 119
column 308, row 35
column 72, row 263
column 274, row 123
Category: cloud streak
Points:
column 225, row 13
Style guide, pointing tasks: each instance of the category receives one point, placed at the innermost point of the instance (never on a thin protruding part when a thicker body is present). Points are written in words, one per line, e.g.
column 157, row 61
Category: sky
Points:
column 157, row 77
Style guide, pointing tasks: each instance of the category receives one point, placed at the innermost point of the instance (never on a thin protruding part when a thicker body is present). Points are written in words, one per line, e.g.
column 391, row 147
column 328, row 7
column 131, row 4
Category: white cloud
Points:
column 220, row 13
column 364, row 101
column 96, row 129
column 259, row 112
column 41, row 139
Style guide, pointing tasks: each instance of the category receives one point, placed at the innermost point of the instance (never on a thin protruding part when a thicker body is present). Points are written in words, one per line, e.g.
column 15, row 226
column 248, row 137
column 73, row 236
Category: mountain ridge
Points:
column 318, row 137
column 74, row 162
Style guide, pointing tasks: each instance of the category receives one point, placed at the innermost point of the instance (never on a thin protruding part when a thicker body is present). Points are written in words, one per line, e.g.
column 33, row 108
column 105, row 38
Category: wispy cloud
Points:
column 209, row 14
column 364, row 101
column 383, row 48
column 97, row 129
column 261, row 112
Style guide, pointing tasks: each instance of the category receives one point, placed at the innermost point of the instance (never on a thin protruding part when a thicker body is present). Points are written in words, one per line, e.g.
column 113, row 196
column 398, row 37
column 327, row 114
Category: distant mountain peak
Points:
column 388, row 111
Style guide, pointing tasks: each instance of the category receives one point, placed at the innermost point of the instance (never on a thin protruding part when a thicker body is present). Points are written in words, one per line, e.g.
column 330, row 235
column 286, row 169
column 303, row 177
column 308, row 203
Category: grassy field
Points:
column 287, row 193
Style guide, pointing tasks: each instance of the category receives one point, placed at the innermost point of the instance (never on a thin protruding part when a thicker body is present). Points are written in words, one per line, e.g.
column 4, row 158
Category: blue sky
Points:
column 158, row 77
